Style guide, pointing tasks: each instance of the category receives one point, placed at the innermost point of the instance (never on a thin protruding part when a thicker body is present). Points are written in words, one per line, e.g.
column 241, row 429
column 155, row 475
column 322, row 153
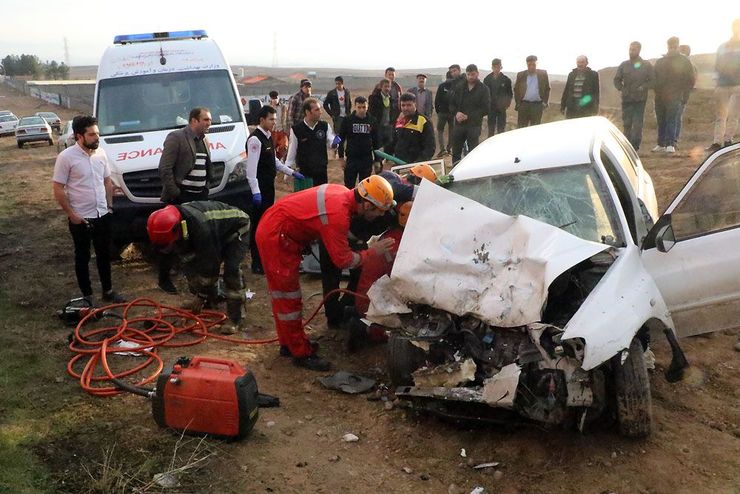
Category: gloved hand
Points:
column 257, row 200
column 299, row 176
column 336, row 142
column 445, row 180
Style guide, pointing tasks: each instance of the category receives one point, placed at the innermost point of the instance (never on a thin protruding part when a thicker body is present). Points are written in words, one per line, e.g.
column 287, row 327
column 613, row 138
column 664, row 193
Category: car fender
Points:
column 624, row 300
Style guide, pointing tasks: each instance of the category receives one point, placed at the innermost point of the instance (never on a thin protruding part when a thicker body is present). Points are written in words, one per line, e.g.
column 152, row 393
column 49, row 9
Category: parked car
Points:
column 33, row 129
column 5, row 112
column 504, row 315
column 54, row 121
column 8, row 124
column 67, row 137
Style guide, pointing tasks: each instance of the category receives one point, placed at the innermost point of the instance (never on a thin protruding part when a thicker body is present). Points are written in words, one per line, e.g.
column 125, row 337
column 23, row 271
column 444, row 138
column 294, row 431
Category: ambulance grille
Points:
column 147, row 184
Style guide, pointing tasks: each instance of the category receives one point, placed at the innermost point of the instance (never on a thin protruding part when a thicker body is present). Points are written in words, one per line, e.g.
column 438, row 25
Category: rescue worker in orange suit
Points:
column 206, row 234
column 376, row 265
column 289, row 226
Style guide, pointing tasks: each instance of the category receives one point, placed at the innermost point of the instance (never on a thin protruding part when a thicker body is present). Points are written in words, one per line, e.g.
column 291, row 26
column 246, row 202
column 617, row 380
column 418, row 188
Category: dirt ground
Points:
column 58, row 439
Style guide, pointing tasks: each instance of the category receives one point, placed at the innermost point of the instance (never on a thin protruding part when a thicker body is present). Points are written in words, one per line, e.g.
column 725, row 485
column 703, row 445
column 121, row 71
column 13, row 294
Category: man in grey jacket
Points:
column 184, row 168
column 423, row 96
column 634, row 77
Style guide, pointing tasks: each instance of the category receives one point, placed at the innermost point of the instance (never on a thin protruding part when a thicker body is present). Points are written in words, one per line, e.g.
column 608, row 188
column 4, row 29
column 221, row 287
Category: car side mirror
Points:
column 665, row 238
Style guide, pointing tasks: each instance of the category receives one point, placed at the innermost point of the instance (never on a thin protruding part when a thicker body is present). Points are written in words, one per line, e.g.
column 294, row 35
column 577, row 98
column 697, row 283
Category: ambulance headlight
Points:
column 239, row 173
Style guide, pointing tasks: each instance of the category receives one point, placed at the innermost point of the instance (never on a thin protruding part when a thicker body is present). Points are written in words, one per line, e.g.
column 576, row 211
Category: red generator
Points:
column 206, row 395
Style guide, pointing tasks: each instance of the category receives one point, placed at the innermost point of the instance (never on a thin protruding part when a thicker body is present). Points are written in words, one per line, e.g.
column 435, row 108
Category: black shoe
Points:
column 167, row 286
column 312, row 362
column 258, row 270
column 714, row 147
column 357, row 337
column 111, row 296
column 285, row 351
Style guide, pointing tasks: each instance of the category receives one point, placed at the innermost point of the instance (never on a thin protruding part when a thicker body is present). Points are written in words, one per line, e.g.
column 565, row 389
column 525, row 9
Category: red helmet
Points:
column 163, row 225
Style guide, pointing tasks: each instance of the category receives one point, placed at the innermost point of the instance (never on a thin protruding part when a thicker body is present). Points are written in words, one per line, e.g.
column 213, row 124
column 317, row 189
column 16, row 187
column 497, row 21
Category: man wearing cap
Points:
column 338, row 105
column 423, row 96
column 531, row 93
column 499, row 85
column 295, row 104
column 469, row 103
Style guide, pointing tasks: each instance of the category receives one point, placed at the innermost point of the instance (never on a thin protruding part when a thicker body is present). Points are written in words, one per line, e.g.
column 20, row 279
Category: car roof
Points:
column 42, row 113
column 550, row 145
column 31, row 117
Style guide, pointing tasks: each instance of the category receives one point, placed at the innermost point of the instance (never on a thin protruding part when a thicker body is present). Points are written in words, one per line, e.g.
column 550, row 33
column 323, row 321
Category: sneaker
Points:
column 670, row 149
column 312, row 362
column 714, row 147
column 659, row 149
column 89, row 300
column 111, row 296
column 166, row 285
column 227, row 328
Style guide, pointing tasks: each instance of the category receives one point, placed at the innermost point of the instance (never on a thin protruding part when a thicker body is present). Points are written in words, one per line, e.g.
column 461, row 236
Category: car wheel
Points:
column 632, row 390
column 403, row 359
column 20, row 145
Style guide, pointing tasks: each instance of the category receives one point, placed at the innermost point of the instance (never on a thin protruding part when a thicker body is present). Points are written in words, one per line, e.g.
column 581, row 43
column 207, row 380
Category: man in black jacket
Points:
column 413, row 134
column 499, row 86
column 442, row 107
column 379, row 107
column 360, row 132
column 206, row 234
column 308, row 141
column 338, row 105
column 581, row 93
column 470, row 102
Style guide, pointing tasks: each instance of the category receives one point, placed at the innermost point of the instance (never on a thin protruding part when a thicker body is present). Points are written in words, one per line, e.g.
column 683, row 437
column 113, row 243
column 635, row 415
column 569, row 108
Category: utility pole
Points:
column 66, row 52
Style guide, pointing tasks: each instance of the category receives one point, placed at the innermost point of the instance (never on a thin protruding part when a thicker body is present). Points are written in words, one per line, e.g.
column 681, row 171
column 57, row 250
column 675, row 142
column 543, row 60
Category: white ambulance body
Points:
column 146, row 86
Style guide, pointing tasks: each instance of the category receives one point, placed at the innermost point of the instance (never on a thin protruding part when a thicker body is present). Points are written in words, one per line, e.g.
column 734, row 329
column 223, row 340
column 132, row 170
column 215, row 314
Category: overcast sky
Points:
column 373, row 35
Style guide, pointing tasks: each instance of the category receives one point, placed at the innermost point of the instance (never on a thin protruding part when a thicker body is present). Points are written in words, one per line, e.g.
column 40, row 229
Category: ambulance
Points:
column 146, row 86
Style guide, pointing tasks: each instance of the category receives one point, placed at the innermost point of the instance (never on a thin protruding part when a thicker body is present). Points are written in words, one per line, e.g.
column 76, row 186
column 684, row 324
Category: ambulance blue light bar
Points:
column 122, row 39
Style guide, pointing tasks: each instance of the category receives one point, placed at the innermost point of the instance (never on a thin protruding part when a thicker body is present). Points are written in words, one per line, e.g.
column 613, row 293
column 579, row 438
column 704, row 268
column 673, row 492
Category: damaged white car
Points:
column 531, row 285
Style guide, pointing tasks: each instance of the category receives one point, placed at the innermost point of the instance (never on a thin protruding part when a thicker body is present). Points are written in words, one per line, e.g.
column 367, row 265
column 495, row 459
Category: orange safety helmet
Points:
column 377, row 191
column 404, row 210
column 163, row 224
column 424, row 171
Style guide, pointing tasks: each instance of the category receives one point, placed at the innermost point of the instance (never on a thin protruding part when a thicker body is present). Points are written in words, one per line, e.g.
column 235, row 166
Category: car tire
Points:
column 20, row 145
column 403, row 359
column 632, row 393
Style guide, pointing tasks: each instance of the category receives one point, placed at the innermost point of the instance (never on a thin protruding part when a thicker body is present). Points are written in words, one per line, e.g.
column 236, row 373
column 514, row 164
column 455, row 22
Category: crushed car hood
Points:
column 467, row 259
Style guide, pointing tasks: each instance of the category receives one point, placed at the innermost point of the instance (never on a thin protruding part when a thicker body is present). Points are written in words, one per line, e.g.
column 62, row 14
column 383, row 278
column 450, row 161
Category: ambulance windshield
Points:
column 146, row 103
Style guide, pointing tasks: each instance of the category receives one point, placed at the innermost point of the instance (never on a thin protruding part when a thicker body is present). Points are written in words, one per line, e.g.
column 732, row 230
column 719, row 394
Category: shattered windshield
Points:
column 573, row 198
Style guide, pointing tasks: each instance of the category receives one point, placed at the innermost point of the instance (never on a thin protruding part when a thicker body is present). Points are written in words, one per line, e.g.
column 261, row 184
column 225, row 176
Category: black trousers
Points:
column 331, row 276
column 530, row 113
column 97, row 231
column 233, row 255
column 267, row 189
column 319, row 177
column 337, row 123
column 496, row 122
column 166, row 261
column 461, row 134
column 357, row 169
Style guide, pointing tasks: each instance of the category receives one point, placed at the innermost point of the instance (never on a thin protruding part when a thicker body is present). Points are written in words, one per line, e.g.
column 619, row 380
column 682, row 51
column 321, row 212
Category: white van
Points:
column 146, row 86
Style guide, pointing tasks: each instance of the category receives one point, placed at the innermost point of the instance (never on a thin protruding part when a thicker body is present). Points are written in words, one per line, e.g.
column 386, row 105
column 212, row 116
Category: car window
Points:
column 32, row 121
column 7, row 118
column 619, row 154
column 574, row 198
column 713, row 203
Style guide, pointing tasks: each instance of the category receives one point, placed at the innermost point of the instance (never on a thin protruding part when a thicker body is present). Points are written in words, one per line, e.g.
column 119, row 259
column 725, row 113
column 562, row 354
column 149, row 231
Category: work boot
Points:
column 285, row 351
column 357, row 337
column 228, row 327
column 312, row 362
column 166, row 285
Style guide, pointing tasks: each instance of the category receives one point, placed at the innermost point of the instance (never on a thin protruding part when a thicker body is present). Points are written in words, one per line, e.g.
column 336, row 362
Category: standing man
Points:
column 206, row 234
column 727, row 93
column 685, row 50
column 338, row 105
column 674, row 77
column 379, row 107
column 633, row 79
column 395, row 91
column 413, row 135
column 308, row 141
column 581, row 93
column 423, row 96
column 295, row 104
column 470, row 102
column 262, row 168
column 531, row 93
column 499, row 85
column 83, row 188
column 442, row 107
column 360, row 132
column 290, row 226
column 185, row 169
column 281, row 112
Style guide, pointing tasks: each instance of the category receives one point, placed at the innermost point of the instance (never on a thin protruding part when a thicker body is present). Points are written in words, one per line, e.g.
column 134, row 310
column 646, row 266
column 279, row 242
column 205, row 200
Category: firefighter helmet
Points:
column 377, row 191
column 163, row 225
column 403, row 210
column 424, row 171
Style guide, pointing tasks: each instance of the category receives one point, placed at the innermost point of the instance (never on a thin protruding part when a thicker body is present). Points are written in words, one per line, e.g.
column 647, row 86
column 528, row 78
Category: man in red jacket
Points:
column 288, row 227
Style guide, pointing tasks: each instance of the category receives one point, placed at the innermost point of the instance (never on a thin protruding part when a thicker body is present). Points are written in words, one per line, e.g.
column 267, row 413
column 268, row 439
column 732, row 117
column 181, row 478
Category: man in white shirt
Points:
column 83, row 188
column 338, row 105
column 307, row 145
column 262, row 167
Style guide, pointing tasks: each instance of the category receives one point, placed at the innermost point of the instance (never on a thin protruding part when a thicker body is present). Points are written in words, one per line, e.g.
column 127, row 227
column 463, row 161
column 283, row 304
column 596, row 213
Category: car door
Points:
column 699, row 274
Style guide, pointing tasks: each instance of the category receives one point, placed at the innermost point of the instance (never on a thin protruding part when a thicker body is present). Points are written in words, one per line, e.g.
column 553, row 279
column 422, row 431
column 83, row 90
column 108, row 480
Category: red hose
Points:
column 160, row 330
